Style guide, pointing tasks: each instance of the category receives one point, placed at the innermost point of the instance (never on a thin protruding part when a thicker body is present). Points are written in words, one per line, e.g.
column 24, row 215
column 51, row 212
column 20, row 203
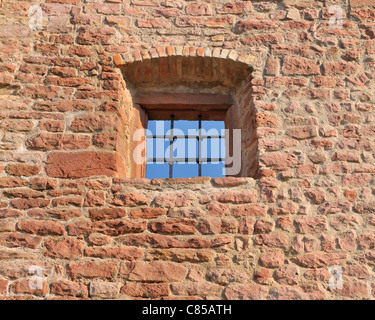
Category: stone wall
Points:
column 70, row 204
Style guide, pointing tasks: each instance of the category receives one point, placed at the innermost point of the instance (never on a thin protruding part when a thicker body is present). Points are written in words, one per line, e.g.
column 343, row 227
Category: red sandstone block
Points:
column 174, row 226
column 90, row 269
column 250, row 25
column 311, row 224
column 8, row 182
column 115, row 253
column 198, row 9
column 94, row 122
column 41, row 227
column 130, row 199
column 302, row 132
column 3, row 286
column 118, row 227
column 153, row 23
column 95, row 199
column 23, row 287
column 52, row 125
column 218, row 225
column 279, row 160
column 204, row 22
column 57, row 141
column 107, row 213
column 148, row 213
column 269, row 241
column 68, row 248
column 172, row 200
column 361, row 3
column 272, row 259
column 80, row 227
column 72, row 201
column 145, row 290
column 319, row 260
column 23, row 204
column 300, row 66
column 266, row 120
column 235, row 7
column 22, row 169
column 236, row 196
column 167, row 13
column 249, row 210
column 83, row 164
column 19, row 239
column 69, row 288
column 153, row 272
column 245, row 292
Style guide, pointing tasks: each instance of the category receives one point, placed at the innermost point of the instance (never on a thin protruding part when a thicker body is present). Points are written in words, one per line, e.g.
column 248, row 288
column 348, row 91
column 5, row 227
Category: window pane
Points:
column 154, row 170
column 185, row 170
column 211, row 148
column 185, row 125
column 185, row 148
column 219, row 125
column 213, row 170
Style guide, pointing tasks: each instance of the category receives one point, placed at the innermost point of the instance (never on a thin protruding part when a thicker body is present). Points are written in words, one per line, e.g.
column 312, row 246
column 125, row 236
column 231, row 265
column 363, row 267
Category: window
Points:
column 180, row 149
column 198, row 135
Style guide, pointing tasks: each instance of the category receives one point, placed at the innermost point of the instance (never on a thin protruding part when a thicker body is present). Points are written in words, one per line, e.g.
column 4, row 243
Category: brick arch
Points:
column 204, row 67
column 140, row 55
column 208, row 74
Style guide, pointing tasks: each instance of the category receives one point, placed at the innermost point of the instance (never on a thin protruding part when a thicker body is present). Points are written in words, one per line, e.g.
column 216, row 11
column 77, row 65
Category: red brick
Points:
column 22, row 204
column 15, row 240
column 145, row 290
column 69, row 288
column 23, row 287
column 58, row 141
column 300, row 66
column 198, row 9
column 107, row 213
column 131, row 199
column 115, row 253
column 118, row 227
column 249, row 210
column 174, row 226
column 272, row 259
column 83, row 164
column 107, row 270
column 148, row 213
column 9, row 182
column 153, row 272
column 41, row 227
column 320, row 260
column 68, row 248
column 22, row 169
column 245, row 292
column 172, row 200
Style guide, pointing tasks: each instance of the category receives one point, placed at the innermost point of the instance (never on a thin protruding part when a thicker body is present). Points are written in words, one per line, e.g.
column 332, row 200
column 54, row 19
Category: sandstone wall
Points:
column 69, row 205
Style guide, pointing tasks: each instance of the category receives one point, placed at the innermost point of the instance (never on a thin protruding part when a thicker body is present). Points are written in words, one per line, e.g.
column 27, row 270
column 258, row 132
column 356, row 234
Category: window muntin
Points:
column 194, row 152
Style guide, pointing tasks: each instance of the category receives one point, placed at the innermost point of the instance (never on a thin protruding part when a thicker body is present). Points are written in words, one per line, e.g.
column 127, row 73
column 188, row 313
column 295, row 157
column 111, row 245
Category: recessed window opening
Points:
column 185, row 148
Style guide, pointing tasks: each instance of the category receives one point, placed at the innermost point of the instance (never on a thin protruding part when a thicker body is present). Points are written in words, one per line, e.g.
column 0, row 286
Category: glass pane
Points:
column 159, row 127
column 213, row 170
column 185, row 148
column 185, row 170
column 154, row 170
column 211, row 148
column 185, row 126
column 219, row 125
